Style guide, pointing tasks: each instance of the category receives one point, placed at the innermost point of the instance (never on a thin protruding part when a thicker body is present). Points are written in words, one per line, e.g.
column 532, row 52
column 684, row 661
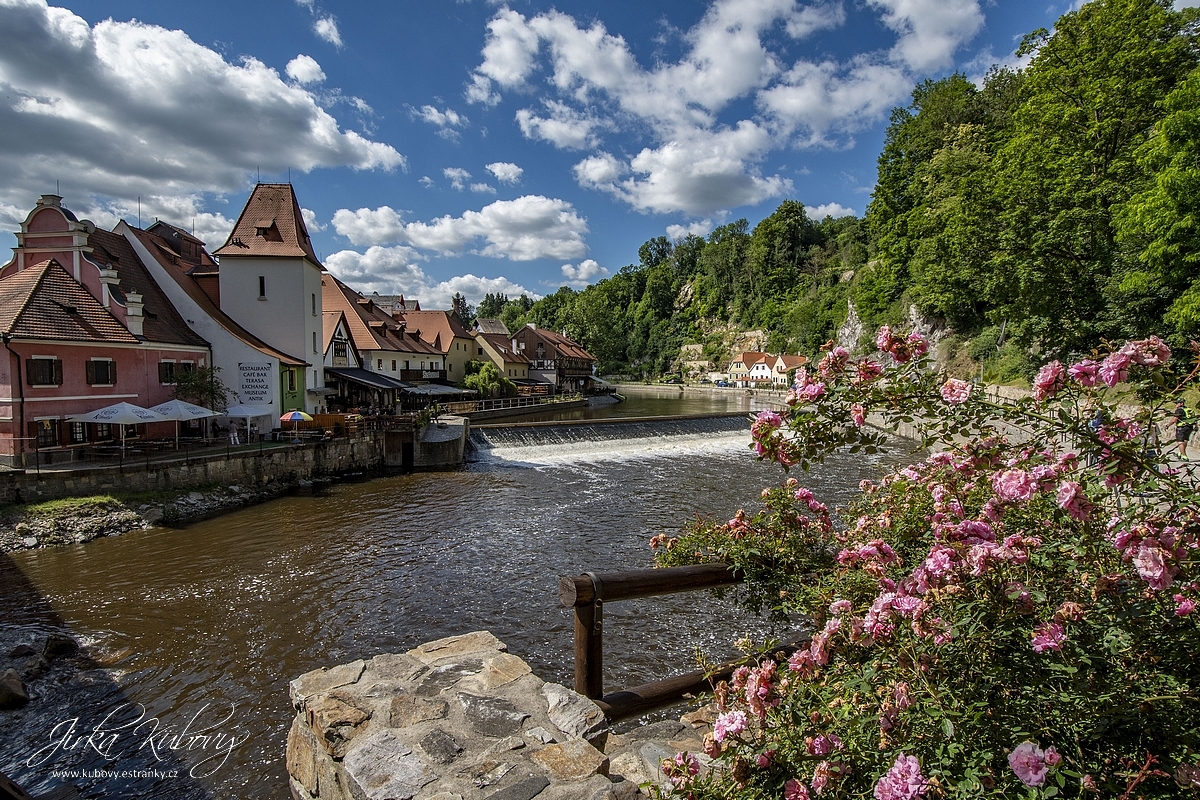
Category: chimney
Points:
column 108, row 279
column 133, row 312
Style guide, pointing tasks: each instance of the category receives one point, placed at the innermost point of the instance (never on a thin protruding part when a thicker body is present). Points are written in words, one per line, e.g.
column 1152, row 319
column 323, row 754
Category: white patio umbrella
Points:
column 181, row 410
column 121, row 414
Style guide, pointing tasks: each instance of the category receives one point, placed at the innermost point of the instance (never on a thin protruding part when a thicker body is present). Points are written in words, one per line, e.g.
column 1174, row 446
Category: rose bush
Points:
column 1014, row 615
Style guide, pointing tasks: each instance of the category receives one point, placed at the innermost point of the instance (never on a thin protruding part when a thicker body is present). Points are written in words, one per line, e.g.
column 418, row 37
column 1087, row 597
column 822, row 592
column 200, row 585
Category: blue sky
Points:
column 472, row 146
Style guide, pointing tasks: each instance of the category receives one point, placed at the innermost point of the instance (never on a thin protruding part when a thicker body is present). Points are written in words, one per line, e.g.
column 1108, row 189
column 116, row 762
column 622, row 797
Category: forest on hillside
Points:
column 1050, row 209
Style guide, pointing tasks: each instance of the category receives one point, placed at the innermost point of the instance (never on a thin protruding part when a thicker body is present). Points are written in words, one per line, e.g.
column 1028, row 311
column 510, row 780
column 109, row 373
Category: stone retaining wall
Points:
column 246, row 468
column 462, row 719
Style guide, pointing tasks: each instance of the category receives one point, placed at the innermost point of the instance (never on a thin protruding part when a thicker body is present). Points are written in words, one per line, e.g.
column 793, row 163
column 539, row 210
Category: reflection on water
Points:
column 225, row 612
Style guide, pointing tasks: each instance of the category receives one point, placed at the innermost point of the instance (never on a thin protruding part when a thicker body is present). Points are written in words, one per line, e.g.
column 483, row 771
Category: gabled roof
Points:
column 491, row 326
column 162, row 323
column 182, row 273
column 329, row 326
column 503, row 345
column 270, row 225
column 562, row 344
column 370, row 327
column 751, row 357
column 791, row 362
column 436, row 328
column 45, row 302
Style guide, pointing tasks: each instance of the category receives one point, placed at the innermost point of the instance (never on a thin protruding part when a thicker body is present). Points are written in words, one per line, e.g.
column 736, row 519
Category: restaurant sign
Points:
column 256, row 383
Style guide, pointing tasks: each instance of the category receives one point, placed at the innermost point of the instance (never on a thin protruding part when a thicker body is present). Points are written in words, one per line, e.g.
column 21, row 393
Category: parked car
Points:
column 704, row 380
column 673, row 380
column 722, row 384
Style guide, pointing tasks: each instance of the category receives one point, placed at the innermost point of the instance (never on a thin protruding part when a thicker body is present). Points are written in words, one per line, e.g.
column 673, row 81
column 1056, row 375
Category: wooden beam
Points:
column 630, row 584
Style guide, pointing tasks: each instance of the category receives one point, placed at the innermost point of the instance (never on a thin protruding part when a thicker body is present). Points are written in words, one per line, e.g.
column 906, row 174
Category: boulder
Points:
column 575, row 760
column 572, row 713
column 336, row 719
column 12, row 692
column 58, row 645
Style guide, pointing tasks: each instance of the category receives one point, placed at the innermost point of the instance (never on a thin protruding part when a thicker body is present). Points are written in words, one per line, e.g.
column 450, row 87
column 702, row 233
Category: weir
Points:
column 600, row 434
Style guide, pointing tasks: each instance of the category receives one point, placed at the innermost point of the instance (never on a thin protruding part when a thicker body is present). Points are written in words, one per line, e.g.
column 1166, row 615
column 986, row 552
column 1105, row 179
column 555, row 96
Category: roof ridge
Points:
column 45, row 266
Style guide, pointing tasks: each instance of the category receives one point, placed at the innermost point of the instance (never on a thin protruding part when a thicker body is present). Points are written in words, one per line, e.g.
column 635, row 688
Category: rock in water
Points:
column 12, row 692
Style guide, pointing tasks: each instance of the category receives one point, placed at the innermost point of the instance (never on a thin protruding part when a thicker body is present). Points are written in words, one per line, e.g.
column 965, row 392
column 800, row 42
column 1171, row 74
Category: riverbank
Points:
column 81, row 519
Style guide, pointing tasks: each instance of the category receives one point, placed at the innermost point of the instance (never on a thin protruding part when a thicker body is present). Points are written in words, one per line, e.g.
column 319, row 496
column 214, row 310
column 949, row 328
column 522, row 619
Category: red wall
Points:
column 137, row 375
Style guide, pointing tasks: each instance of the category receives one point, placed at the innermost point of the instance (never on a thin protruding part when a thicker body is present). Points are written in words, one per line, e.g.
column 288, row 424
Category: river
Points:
column 206, row 624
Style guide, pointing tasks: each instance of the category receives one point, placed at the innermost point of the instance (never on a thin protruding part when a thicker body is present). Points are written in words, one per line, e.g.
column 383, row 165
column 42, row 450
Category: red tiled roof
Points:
column 436, row 328
column 564, row 345
column 503, row 345
column 45, row 302
column 162, row 323
column 270, row 225
column 181, row 273
column 370, row 327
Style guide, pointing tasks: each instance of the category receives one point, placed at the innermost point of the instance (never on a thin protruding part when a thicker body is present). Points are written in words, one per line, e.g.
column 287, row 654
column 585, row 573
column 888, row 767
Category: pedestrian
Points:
column 1185, row 423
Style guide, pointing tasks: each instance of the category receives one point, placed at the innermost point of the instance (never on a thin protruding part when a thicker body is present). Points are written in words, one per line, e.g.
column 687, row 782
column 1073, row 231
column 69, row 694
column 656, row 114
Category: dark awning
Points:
column 365, row 377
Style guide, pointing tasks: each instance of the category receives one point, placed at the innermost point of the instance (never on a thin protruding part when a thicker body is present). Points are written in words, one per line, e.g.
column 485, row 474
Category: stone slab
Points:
column 381, row 767
column 574, row 760
column 456, row 647
column 572, row 713
column 526, row 789
column 406, row 710
column 324, row 680
column 441, row 746
column 336, row 720
column 492, row 716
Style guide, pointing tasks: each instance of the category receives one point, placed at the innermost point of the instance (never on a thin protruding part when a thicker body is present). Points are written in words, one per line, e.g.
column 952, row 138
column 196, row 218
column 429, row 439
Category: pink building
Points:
column 84, row 326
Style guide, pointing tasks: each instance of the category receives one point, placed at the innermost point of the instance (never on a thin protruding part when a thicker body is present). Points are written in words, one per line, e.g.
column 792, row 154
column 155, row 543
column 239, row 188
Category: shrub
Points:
column 1011, row 616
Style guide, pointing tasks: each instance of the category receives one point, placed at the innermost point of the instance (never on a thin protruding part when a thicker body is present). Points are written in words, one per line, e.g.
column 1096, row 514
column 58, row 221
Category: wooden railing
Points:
column 588, row 593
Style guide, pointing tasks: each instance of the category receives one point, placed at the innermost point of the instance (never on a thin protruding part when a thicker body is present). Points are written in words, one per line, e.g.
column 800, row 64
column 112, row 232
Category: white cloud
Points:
column 457, row 176
column 483, row 188
column 393, row 270
column 426, row 181
column 310, row 220
column 369, row 226
column 700, row 228
column 829, row 210
column 565, row 128
column 697, row 160
column 305, row 4
column 523, row 229
column 125, row 109
column 587, row 272
column 505, row 171
column 305, row 70
column 445, row 121
column 327, row 29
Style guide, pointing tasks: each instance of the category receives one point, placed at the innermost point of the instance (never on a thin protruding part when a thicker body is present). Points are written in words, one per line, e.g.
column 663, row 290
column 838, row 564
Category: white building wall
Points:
column 228, row 351
column 287, row 316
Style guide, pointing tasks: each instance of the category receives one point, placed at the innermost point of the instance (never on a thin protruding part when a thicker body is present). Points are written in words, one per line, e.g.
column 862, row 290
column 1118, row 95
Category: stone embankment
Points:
column 23, row 529
column 463, row 719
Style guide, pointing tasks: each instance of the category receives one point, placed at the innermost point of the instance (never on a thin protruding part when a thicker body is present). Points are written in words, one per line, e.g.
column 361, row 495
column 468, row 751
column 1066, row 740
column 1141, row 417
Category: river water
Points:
column 204, row 626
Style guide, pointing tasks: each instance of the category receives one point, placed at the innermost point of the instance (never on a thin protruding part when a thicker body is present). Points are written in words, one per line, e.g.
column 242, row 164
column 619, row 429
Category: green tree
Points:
column 484, row 377
column 203, row 387
column 491, row 305
column 1090, row 98
column 1162, row 222
column 461, row 309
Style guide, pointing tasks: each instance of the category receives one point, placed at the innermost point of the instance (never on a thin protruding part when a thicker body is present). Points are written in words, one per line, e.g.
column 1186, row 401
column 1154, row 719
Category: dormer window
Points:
column 268, row 230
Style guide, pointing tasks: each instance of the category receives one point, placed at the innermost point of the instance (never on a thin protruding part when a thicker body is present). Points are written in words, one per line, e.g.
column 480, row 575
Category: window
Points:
column 166, row 372
column 481, row 351
column 47, row 432
column 379, row 364
column 315, row 350
column 187, row 366
column 291, row 380
column 262, row 287
column 104, row 432
column 314, row 305
column 78, row 432
column 339, row 350
column 406, row 365
column 43, row 371
column 101, row 372
column 393, row 365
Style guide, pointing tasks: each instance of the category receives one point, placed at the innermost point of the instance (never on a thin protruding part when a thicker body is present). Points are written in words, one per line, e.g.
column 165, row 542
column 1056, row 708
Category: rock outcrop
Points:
column 462, row 719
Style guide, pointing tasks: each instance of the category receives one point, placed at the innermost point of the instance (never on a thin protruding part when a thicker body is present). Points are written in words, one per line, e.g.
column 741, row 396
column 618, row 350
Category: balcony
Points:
column 422, row 375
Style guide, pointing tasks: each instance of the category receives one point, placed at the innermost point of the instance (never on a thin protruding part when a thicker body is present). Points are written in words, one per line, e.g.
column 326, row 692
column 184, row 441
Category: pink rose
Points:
column 903, row 781
column 1115, row 368
column 858, row 414
column 1048, row 381
column 1048, row 636
column 1013, row 485
column 955, row 391
column 730, row 723
column 1028, row 761
column 795, row 790
column 1072, row 499
column 1184, row 605
column 1150, row 352
column 1084, row 372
